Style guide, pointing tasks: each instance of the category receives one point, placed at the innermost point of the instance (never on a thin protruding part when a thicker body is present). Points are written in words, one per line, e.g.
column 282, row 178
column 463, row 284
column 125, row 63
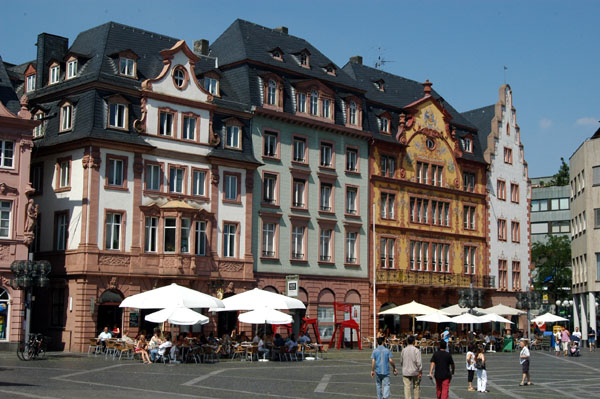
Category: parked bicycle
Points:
column 34, row 348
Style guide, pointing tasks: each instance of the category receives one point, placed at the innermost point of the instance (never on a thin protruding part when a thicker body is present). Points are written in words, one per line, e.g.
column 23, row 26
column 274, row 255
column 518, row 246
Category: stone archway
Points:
column 109, row 312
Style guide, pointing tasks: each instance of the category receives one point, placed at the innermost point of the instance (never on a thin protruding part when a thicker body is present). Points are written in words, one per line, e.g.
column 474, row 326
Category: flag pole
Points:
column 374, row 282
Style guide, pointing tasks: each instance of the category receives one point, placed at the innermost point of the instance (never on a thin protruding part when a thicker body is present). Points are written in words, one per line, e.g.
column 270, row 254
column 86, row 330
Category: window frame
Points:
column 129, row 62
column 352, row 149
column 239, row 127
column 54, row 73
column 206, row 182
column 161, row 175
column 10, row 211
column 185, row 78
column 331, row 146
column 274, row 202
column 148, row 229
column 266, row 255
column 514, row 193
column 467, row 177
column 124, row 172
column 356, row 189
column 294, row 204
column 470, row 217
column 469, row 259
column 66, row 118
column 330, row 198
column 30, row 82
column 330, row 258
column 502, row 275
column 502, row 236
column 384, row 215
column 516, row 275
column 173, row 124
column 198, row 235
column 515, row 231
column 36, row 177
column 4, row 158
column 183, row 132
column 238, row 176
column 387, row 160
column 501, row 189
column 508, row 158
column 57, row 226
column 301, row 105
column 304, row 139
column 236, row 244
column 121, row 229
column 294, row 255
column 58, row 183
column 267, row 135
column 72, row 68
column 184, row 182
column 384, row 255
column 348, row 261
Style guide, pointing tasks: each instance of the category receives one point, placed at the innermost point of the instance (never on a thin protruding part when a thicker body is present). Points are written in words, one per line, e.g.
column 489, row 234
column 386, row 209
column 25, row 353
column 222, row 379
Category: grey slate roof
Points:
column 8, row 95
column 482, row 118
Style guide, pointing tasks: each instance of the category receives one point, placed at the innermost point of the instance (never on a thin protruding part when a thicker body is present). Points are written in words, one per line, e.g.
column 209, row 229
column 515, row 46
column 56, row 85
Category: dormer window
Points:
column 379, row 84
column 127, row 66
column 385, row 124
column 353, row 112
column 330, row 69
column 30, row 83
column 210, row 85
column 54, row 73
column 66, row 117
column 302, row 102
column 314, row 103
column 304, row 59
column 272, row 92
column 467, row 144
column 277, row 54
column 117, row 116
column 40, row 129
column 326, row 108
column 233, row 134
column 72, row 69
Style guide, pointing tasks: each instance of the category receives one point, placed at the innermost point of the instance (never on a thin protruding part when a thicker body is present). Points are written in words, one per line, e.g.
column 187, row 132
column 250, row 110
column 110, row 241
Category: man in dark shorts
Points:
column 524, row 360
column 443, row 364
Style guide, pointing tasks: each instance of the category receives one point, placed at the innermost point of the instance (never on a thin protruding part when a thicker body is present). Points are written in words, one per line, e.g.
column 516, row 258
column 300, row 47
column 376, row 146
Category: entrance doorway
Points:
column 227, row 321
column 109, row 312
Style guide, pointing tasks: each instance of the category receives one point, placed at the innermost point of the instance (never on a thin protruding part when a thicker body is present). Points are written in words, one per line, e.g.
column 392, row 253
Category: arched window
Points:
column 352, row 113
column 272, row 93
column 270, row 288
column 326, row 314
column 314, row 103
column 4, row 312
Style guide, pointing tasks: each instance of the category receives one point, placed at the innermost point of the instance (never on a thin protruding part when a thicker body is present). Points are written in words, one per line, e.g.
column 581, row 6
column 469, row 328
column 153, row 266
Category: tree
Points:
column 561, row 178
column 552, row 260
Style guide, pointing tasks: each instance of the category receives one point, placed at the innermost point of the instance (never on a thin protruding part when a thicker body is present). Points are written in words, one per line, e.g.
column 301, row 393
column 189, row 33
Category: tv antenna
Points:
column 381, row 61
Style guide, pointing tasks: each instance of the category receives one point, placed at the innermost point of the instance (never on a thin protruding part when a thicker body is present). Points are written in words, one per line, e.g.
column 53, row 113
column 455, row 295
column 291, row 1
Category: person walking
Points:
column 470, row 361
column 524, row 360
column 381, row 359
column 481, row 371
column 442, row 363
column 412, row 369
column 592, row 339
column 557, row 335
column 565, row 338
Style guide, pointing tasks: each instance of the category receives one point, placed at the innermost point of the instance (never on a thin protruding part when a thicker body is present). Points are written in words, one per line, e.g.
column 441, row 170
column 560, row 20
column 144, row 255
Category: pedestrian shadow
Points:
column 15, row 384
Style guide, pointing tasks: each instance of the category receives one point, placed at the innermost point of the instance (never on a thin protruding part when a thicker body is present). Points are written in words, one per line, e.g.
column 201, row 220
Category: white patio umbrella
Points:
column 171, row 296
column 434, row 318
column 412, row 309
column 265, row 315
column 177, row 315
column 493, row 317
column 456, row 310
column 467, row 318
column 257, row 298
column 548, row 318
column 504, row 310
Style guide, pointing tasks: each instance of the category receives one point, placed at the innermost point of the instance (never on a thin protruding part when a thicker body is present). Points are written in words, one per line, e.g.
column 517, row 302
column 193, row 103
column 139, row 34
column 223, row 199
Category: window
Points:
column 351, row 198
column 151, row 234
column 469, row 217
column 501, row 190
column 61, row 230
column 422, row 172
column 66, row 117
column 166, row 123
column 314, row 103
column 469, row 259
column 597, row 218
column 300, row 150
column 326, row 200
column 440, row 256
column 351, row 237
column 268, row 241
column 516, row 275
column 116, row 168
column 596, row 178
column 36, row 177
column 179, row 77
column 353, row 112
column 469, row 181
column 153, row 177
column 298, row 242
column 419, row 209
column 515, row 231
column 440, row 213
column 514, row 192
column 210, row 85
column 326, row 108
column 229, row 231
column 269, row 188
column 112, row 236
column 7, row 153
column 507, row 155
column 189, row 128
column 302, row 102
column 325, row 245
column 127, row 66
column 201, row 238
column 40, row 129
column 5, row 219
column 387, row 205
column 351, row 159
column 199, row 183
column 539, row 228
column 71, row 69
column 170, row 231
column 270, row 145
column 176, row 179
column 185, row 235
column 467, row 144
column 559, row 204
column 326, row 154
column 539, row 205
column 54, row 74
column 436, row 175
column 385, row 124
column 304, row 59
column 231, row 187
column 272, row 93
column 419, row 255
column 64, row 173
column 387, row 252
column 388, row 165
column 502, row 274
column 233, row 137
column 299, row 191
column 30, row 83
column 501, row 229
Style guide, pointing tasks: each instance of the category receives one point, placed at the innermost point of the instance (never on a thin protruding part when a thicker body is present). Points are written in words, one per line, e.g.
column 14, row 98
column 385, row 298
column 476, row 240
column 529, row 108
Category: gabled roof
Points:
column 8, row 95
column 482, row 118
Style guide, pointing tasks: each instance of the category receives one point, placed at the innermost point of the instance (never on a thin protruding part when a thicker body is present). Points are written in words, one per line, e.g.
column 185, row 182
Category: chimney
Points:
column 49, row 47
column 282, row 29
column 357, row 59
column 201, row 47
column 427, row 87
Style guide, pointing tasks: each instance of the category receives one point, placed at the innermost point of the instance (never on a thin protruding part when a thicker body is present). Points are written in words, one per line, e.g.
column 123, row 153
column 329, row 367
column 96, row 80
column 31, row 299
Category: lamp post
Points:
column 27, row 275
column 567, row 304
column 470, row 298
column 528, row 300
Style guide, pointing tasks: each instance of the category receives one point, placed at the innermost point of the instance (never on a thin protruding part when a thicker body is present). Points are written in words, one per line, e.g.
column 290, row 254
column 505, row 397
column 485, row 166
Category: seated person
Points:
column 291, row 343
column 256, row 338
column 116, row 331
column 303, row 339
column 125, row 338
column 574, row 350
column 103, row 336
column 155, row 341
column 141, row 348
column 279, row 342
column 262, row 349
column 162, row 347
column 211, row 339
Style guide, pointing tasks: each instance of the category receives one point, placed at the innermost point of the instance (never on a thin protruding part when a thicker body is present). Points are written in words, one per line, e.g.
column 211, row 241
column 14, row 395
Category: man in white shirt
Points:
column 104, row 335
column 524, row 360
column 162, row 348
column 576, row 336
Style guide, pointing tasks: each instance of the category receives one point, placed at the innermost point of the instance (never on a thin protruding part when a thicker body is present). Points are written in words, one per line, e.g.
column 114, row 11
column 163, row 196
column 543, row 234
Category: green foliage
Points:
column 553, row 259
column 561, row 178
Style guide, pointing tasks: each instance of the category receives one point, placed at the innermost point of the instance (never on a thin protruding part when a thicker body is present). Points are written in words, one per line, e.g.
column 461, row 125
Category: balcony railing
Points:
column 324, row 258
column 268, row 254
column 297, row 255
column 433, row 279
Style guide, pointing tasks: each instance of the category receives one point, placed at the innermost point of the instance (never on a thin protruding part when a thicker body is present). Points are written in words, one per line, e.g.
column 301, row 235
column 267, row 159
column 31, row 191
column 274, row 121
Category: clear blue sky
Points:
column 550, row 47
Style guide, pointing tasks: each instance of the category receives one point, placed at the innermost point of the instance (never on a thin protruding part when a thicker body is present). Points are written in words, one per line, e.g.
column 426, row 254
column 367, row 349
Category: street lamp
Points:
column 470, row 298
column 567, row 304
column 27, row 275
column 528, row 300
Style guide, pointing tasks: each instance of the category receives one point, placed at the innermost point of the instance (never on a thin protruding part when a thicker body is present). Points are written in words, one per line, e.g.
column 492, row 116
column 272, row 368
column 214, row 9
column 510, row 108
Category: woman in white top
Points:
column 481, row 371
column 470, row 361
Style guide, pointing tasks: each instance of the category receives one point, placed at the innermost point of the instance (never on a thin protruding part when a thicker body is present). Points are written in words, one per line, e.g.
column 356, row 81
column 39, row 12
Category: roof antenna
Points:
column 505, row 68
column 380, row 60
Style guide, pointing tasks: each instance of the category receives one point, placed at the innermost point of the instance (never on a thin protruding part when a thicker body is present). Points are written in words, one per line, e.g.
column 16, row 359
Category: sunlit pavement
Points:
column 343, row 373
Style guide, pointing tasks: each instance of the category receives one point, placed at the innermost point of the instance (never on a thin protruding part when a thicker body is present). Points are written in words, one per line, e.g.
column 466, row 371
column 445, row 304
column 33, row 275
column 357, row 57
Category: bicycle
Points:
column 34, row 348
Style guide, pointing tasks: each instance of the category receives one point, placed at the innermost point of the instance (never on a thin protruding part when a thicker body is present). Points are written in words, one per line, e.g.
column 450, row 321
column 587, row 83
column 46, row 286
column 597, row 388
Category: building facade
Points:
column 509, row 196
column 584, row 166
column 550, row 210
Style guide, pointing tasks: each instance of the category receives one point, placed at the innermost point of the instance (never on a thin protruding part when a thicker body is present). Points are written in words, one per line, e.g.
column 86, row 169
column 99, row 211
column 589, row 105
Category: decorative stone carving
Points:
column 231, row 266
column 4, row 251
column 113, row 283
column 6, row 189
column 170, row 262
column 402, row 173
column 24, row 111
column 138, row 164
column 185, row 263
column 215, row 176
column 113, row 260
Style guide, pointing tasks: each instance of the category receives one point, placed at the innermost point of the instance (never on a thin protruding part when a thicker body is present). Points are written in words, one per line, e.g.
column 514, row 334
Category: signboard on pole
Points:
column 291, row 285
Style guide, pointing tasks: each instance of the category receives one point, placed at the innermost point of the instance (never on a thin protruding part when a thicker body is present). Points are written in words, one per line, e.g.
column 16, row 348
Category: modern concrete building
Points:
column 550, row 209
column 584, row 166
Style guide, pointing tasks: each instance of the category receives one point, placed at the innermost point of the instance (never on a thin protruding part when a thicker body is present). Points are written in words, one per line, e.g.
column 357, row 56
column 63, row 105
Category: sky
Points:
column 550, row 48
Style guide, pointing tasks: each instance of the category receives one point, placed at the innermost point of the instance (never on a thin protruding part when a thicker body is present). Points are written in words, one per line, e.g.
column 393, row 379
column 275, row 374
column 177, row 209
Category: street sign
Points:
column 291, row 285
